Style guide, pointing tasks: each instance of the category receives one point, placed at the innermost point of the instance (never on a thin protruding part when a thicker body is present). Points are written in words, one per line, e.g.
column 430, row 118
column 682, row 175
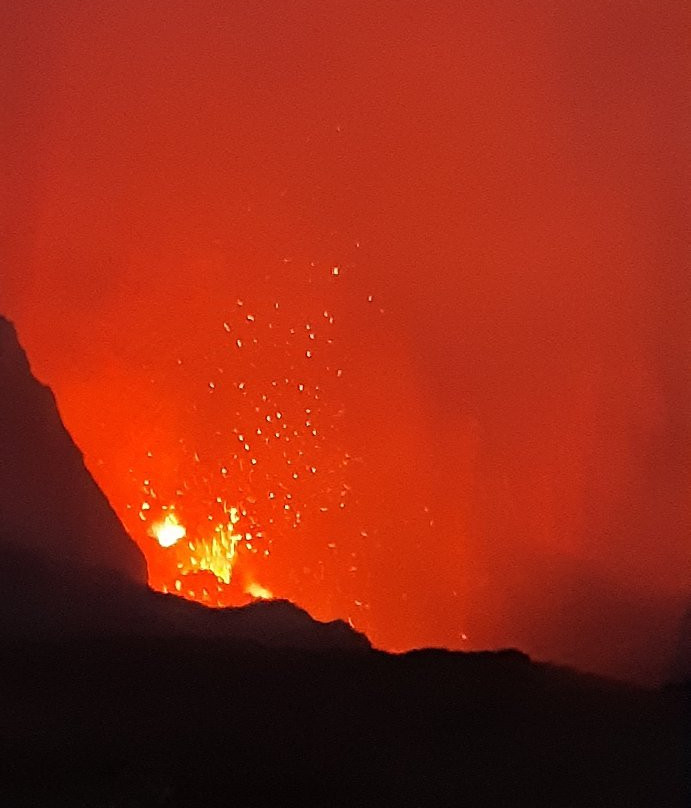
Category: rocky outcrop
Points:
column 49, row 502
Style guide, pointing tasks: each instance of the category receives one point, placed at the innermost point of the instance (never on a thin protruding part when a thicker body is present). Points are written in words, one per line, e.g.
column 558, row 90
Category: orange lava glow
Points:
column 258, row 592
column 375, row 307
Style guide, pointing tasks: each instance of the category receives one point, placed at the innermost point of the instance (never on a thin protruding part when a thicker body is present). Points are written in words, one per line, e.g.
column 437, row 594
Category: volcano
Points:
column 69, row 567
column 125, row 696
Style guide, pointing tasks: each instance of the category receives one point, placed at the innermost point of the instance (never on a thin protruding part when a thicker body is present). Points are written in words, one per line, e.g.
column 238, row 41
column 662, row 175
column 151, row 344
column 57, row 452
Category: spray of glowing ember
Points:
column 211, row 556
column 218, row 554
column 264, row 433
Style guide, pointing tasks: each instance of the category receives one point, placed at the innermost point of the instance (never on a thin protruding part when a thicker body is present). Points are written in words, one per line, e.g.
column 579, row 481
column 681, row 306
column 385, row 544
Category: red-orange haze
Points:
column 404, row 283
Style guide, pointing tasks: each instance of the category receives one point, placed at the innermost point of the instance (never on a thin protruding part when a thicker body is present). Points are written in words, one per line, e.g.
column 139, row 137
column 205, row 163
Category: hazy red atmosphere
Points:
column 405, row 284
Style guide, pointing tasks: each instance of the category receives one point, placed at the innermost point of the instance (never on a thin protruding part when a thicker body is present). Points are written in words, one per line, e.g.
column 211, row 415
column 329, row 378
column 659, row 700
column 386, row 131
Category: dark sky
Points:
column 509, row 184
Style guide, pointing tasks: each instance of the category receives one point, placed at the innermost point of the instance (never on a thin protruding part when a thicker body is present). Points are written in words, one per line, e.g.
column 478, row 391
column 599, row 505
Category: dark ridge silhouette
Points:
column 681, row 669
column 114, row 695
column 45, row 600
column 191, row 722
column 68, row 567
column 49, row 502
column 564, row 610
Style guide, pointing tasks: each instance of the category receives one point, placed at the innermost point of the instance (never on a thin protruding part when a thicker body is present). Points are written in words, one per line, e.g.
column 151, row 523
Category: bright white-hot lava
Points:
column 258, row 592
column 210, row 557
column 169, row 531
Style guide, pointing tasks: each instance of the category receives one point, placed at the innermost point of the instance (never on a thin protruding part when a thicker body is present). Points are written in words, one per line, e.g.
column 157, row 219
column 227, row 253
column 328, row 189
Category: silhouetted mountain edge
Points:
column 74, row 569
column 112, row 694
column 46, row 600
column 48, row 500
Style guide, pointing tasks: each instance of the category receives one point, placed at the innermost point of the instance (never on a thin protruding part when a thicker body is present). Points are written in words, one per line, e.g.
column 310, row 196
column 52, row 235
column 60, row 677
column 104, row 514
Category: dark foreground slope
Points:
column 125, row 722
column 113, row 695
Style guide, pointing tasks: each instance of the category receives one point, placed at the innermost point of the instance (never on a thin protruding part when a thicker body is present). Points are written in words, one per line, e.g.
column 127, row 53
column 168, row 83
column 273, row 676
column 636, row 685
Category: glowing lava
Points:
column 218, row 554
column 169, row 531
column 201, row 568
column 258, row 592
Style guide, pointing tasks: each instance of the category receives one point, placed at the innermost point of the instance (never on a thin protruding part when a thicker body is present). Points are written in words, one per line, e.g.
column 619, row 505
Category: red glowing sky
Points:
column 508, row 187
